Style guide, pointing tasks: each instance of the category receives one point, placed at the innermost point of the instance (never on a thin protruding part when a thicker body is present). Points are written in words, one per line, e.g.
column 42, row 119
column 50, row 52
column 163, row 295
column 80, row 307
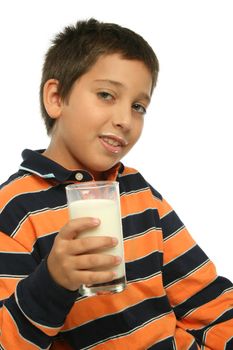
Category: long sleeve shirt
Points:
column 173, row 300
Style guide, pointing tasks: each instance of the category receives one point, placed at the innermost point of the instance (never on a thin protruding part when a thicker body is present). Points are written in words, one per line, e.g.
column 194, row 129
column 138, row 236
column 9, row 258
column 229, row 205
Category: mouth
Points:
column 113, row 143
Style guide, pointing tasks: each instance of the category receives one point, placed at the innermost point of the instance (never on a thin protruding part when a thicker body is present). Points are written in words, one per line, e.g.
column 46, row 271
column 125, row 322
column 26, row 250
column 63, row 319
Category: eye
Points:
column 105, row 95
column 139, row 108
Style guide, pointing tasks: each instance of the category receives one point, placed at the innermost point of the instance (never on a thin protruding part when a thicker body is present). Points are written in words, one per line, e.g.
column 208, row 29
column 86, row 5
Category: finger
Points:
column 74, row 227
column 96, row 261
column 95, row 277
column 89, row 244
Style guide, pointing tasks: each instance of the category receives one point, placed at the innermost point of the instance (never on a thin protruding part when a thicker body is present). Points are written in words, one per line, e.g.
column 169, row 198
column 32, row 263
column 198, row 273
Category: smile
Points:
column 112, row 143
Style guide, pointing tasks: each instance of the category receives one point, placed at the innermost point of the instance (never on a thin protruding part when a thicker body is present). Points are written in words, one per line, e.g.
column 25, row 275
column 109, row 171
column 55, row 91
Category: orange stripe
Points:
column 144, row 337
column 98, row 306
column 7, row 286
column 164, row 208
column 140, row 246
column 202, row 316
column 47, row 330
column 8, row 244
column 19, row 186
column 136, row 202
column 177, row 245
column 219, row 334
column 183, row 339
column 43, row 223
column 14, row 341
column 191, row 284
column 129, row 171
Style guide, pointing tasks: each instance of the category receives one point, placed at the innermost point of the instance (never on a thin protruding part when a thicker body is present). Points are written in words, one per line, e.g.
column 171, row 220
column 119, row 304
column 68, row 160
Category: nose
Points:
column 122, row 118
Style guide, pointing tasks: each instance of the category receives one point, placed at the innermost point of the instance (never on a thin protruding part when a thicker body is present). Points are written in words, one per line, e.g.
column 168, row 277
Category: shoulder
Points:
column 16, row 199
column 18, row 184
column 131, row 179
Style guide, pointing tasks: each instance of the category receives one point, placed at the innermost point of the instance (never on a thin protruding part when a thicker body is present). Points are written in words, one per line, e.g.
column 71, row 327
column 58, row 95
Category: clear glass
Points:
column 100, row 199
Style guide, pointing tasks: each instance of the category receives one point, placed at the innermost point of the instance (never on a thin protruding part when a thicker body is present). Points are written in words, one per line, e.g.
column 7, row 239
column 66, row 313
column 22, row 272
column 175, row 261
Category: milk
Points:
column 108, row 212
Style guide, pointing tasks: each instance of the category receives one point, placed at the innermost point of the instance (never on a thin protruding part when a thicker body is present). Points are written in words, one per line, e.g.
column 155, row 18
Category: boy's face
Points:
column 103, row 117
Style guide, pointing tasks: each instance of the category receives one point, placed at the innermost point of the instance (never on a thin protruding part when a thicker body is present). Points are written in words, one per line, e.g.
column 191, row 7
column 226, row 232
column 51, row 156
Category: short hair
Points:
column 77, row 48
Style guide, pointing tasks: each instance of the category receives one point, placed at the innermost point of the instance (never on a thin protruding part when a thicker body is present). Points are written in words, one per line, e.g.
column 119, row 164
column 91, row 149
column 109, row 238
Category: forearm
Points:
column 34, row 314
column 202, row 301
column 208, row 315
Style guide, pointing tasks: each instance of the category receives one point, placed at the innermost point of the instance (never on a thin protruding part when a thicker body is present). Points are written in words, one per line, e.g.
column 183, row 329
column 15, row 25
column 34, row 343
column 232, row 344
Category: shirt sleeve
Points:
column 33, row 307
column 202, row 300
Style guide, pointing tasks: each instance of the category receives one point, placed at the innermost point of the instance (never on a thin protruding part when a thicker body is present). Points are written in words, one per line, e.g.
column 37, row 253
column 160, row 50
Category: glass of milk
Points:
column 100, row 199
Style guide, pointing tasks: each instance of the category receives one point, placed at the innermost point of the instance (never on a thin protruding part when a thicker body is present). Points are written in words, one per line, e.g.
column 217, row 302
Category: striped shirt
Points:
column 173, row 299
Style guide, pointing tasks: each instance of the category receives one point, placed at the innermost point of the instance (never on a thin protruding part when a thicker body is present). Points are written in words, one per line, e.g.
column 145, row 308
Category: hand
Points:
column 72, row 260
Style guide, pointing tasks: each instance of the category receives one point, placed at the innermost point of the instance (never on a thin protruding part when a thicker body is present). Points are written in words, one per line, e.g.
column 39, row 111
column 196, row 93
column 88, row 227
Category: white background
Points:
column 186, row 149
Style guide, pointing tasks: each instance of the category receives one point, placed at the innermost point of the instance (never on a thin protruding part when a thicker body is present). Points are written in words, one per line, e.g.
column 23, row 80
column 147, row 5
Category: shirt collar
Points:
column 36, row 163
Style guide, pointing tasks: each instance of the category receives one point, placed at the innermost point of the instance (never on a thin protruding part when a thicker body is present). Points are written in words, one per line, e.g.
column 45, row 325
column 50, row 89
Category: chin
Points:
column 101, row 168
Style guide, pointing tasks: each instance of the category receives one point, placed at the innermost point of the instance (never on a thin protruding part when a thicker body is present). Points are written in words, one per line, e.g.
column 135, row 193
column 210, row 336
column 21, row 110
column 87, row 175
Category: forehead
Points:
column 123, row 72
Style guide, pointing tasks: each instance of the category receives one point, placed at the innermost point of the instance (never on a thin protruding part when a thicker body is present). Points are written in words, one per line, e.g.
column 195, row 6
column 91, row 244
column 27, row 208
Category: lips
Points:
column 113, row 143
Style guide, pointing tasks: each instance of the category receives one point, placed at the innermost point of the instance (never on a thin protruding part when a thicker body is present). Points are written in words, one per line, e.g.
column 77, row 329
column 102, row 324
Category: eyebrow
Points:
column 118, row 84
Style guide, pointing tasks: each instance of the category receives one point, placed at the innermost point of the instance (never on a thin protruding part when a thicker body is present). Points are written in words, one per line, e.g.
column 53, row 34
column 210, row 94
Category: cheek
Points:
column 138, row 129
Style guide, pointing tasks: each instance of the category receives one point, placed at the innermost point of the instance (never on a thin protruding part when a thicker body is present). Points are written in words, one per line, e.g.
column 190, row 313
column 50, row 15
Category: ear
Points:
column 52, row 100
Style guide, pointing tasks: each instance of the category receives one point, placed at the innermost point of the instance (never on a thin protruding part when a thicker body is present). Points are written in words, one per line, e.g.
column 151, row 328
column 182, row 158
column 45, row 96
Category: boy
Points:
column 97, row 82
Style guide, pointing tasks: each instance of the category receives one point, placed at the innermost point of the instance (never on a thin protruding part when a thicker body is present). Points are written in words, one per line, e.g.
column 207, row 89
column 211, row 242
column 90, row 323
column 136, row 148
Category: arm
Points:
column 202, row 301
column 33, row 308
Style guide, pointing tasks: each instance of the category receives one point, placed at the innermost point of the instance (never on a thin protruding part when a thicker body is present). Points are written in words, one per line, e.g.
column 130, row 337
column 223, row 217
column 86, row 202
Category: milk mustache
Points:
column 108, row 212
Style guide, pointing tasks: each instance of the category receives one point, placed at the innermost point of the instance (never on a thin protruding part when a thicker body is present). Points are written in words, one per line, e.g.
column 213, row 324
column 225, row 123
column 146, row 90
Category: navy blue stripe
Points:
column 16, row 264
column 229, row 345
column 211, row 292
column 30, row 202
column 135, row 182
column 167, row 344
column 170, row 224
column 198, row 334
column 12, row 178
column 144, row 267
column 184, row 264
column 137, row 223
column 132, row 182
column 155, row 192
column 194, row 346
column 26, row 329
column 43, row 246
column 120, row 323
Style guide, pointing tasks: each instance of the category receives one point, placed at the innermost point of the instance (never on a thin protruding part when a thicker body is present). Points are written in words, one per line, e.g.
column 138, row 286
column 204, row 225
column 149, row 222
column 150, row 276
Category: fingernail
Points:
column 114, row 275
column 118, row 259
column 96, row 221
column 114, row 241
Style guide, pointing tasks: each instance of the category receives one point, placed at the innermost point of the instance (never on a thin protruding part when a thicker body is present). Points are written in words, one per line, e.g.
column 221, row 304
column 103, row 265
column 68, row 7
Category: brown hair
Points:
column 75, row 50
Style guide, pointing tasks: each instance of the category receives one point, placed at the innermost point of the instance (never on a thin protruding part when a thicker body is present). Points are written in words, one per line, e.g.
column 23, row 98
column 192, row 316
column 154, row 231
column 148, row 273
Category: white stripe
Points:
column 46, row 176
column 125, row 175
column 23, row 193
column 139, row 212
column 30, row 319
column 129, row 332
column 28, row 341
column 144, row 256
column 177, row 257
column 128, row 193
column 174, row 233
column 13, row 276
column 188, row 274
column 162, row 217
column 136, row 235
column 14, row 233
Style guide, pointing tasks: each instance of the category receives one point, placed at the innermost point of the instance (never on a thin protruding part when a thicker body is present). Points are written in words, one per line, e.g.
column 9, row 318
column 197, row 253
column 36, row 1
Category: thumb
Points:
column 72, row 229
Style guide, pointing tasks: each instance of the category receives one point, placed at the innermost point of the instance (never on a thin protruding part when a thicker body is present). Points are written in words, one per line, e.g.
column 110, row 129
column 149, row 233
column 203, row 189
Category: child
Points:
column 97, row 83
